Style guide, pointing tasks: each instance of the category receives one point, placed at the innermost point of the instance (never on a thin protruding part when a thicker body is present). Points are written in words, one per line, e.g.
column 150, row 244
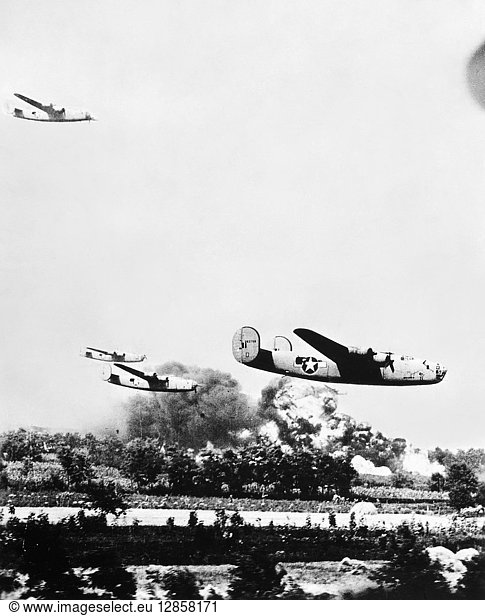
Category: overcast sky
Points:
column 275, row 164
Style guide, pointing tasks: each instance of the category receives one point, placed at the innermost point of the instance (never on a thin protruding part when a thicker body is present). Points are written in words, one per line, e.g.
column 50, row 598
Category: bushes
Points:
column 472, row 584
column 410, row 575
column 256, row 576
column 222, row 542
column 180, row 584
column 398, row 495
column 35, row 476
column 38, row 550
column 50, row 553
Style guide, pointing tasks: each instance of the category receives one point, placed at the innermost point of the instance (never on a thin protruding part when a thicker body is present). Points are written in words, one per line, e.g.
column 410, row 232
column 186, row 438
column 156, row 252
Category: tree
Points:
column 305, row 473
column 181, row 471
column 437, row 482
column 18, row 445
column 107, row 498
column 143, row 460
column 106, row 451
column 474, row 458
column 402, row 479
column 462, row 485
column 334, row 475
column 76, row 464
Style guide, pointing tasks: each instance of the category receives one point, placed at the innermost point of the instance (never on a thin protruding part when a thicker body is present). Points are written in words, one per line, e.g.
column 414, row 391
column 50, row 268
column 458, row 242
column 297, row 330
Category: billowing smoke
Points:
column 301, row 412
column 475, row 72
column 366, row 467
column 297, row 412
column 218, row 412
column 416, row 461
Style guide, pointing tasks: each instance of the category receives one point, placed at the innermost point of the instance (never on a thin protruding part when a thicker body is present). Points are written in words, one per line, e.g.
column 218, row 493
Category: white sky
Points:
column 278, row 164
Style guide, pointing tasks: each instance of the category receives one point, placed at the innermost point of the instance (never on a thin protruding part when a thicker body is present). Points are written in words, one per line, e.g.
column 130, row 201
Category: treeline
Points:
column 58, row 462
column 41, row 462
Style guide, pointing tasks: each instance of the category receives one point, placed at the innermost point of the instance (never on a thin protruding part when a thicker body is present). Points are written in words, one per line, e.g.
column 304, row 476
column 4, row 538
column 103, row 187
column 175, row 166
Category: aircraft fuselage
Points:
column 157, row 383
column 363, row 367
column 113, row 356
column 59, row 116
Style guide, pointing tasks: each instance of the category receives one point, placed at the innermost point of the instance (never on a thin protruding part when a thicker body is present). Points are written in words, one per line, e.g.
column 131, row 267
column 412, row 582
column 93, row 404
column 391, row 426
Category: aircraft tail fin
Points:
column 246, row 345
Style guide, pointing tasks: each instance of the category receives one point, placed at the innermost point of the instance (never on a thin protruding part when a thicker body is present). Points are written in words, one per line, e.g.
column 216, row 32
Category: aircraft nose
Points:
column 441, row 372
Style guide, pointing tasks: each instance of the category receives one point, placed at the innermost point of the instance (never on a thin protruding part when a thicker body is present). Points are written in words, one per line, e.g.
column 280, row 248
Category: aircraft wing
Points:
column 354, row 367
column 333, row 350
column 98, row 350
column 31, row 102
column 137, row 373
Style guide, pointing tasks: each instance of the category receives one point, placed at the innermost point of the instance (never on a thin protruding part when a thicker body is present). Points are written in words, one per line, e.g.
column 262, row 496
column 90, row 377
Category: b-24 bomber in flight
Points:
column 333, row 362
column 92, row 353
column 49, row 113
column 136, row 379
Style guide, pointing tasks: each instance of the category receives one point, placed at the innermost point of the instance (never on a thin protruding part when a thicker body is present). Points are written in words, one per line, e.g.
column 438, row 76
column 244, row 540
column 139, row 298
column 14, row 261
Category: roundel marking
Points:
column 309, row 365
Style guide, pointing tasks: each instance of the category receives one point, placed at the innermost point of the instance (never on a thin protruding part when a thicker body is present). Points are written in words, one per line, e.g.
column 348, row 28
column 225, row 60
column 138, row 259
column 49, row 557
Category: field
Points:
column 180, row 517
column 386, row 499
column 313, row 577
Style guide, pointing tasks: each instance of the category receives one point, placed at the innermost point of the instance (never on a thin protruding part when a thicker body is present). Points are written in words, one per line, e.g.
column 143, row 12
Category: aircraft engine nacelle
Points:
column 128, row 357
column 359, row 351
column 381, row 359
column 246, row 345
column 176, row 383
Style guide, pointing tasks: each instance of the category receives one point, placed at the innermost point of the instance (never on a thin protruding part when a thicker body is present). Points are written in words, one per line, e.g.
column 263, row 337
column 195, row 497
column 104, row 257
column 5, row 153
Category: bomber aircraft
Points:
column 92, row 353
column 49, row 113
column 333, row 362
column 136, row 379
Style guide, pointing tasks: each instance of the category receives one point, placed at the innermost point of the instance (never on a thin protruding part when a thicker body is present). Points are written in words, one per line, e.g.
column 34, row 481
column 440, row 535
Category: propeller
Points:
column 389, row 362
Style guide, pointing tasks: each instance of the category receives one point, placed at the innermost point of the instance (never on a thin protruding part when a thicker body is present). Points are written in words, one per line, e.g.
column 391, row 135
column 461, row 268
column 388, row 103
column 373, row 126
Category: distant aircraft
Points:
column 49, row 113
column 334, row 363
column 148, row 382
column 92, row 353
